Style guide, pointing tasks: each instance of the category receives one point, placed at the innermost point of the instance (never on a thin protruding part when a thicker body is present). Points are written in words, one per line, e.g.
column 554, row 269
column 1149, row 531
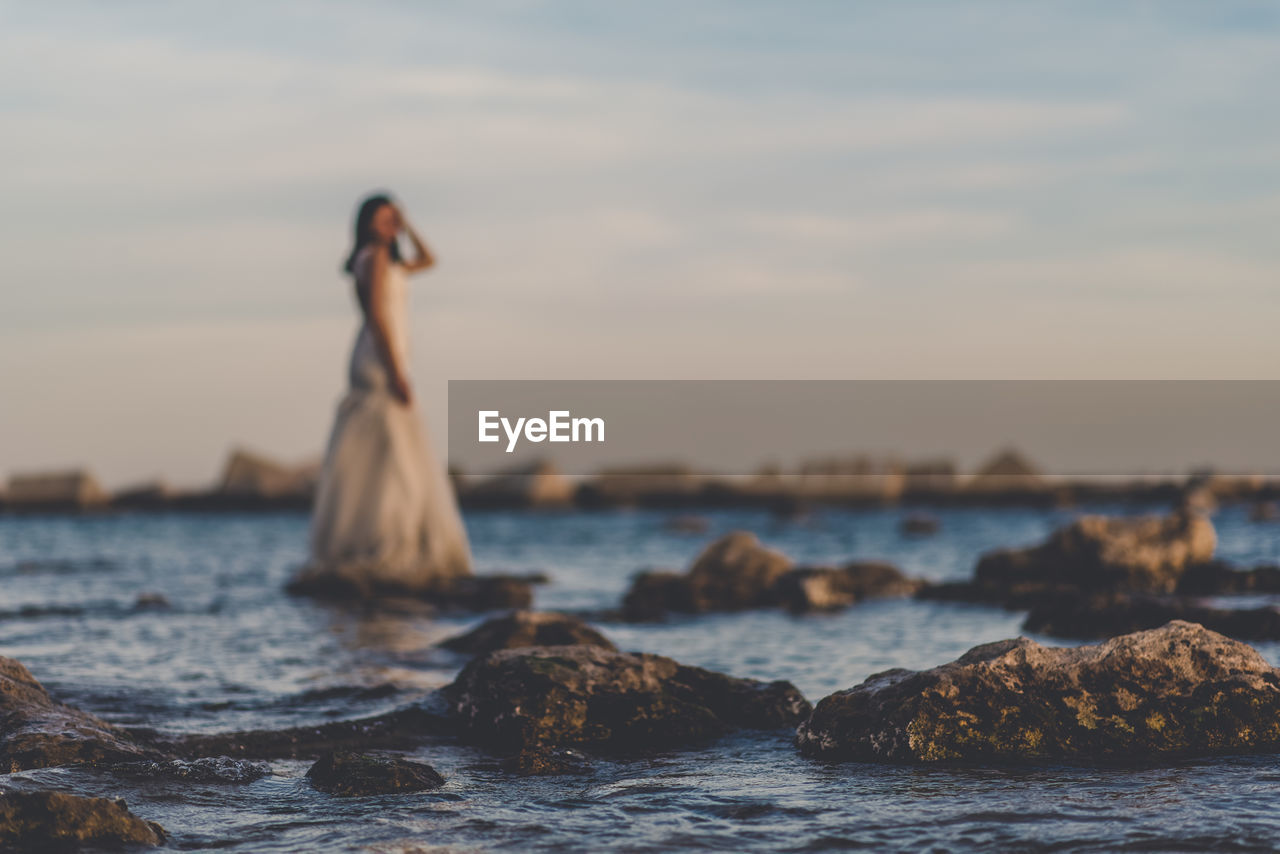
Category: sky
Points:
column 657, row 190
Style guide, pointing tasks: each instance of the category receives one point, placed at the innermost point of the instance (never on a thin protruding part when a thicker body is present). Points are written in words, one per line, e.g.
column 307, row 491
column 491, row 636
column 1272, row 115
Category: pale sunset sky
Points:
column 649, row 190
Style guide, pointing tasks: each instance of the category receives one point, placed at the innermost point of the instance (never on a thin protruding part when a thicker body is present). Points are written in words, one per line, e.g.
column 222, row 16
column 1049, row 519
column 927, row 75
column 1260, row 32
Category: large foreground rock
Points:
column 1094, row 554
column 1180, row 690
column 545, row 698
column 736, row 572
column 527, row 628
column 36, row 731
column 54, row 821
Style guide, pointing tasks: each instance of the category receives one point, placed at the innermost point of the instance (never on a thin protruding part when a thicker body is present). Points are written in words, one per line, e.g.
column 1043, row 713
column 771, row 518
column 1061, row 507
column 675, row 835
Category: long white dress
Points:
column 385, row 518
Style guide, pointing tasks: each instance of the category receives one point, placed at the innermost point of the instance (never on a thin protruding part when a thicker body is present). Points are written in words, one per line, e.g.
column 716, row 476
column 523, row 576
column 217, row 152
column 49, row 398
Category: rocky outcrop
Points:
column 529, row 701
column 1107, row 615
column 36, row 731
column 829, row 589
column 1180, row 690
column 527, row 628
column 1094, row 554
column 736, row 573
column 55, row 821
column 355, row 775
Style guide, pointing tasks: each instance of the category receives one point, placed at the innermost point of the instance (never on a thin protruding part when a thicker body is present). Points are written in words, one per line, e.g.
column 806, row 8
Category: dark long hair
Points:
column 364, row 217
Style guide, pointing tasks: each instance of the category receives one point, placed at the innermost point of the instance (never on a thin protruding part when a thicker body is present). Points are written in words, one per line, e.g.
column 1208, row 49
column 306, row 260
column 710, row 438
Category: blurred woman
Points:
column 385, row 519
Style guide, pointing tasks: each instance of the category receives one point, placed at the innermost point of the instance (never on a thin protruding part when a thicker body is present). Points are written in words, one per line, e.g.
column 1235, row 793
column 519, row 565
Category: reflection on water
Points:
column 231, row 651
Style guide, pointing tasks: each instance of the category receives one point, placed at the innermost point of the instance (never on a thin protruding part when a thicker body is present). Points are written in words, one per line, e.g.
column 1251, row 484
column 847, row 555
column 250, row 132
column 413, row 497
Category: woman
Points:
column 385, row 519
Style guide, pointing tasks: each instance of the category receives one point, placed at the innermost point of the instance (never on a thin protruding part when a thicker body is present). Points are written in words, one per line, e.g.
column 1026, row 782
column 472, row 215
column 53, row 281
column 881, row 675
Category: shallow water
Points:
column 234, row 652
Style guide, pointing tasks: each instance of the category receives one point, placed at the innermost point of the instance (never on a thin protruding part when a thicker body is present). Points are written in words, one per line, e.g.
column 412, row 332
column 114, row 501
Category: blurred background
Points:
column 660, row 190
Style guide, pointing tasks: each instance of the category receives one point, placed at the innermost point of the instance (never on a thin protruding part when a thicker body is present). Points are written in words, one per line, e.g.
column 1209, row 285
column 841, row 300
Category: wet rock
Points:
column 655, row 594
column 540, row 762
column 1217, row 578
column 36, row 731
column 467, row 593
column 353, row 775
column 1099, row 553
column 1264, row 511
column 398, row 730
column 919, row 525
column 151, row 602
column 535, row 699
column 527, row 628
column 56, row 821
column 827, row 589
column 736, row 572
column 1180, row 690
column 209, row 769
column 1107, row 615
column 688, row 525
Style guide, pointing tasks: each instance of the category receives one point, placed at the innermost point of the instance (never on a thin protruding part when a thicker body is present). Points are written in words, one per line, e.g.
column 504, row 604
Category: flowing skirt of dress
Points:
column 385, row 518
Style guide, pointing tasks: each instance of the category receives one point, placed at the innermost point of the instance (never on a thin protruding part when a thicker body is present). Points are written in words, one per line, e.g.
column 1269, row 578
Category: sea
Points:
column 232, row 651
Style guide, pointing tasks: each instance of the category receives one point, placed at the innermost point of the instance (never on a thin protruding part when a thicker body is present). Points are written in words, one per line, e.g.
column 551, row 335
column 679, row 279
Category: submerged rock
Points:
column 919, row 525
column 1107, row 615
column 1217, row 578
column 1093, row 554
column 352, row 775
column 1180, row 690
column 208, row 769
column 828, row 589
column 401, row 729
column 736, row 572
column 537, row 699
column 36, row 731
column 48, row 821
column 527, row 628
column 468, row 593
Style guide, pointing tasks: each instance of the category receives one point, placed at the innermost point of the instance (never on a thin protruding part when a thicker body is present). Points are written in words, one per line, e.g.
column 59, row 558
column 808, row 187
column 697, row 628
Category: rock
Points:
column 687, row 525
column 208, row 769
column 827, row 589
column 399, row 730
column 734, row 573
column 38, row 732
column 1264, row 511
column 918, row 524
column 254, row 475
column 535, row 699
column 151, row 602
column 44, row 821
column 354, row 775
column 1180, row 690
column 468, row 593
column 527, row 628
column 538, row 762
column 55, row 490
column 1107, row 615
column 655, row 594
column 1217, row 578
column 1098, row 553
column 538, row 484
